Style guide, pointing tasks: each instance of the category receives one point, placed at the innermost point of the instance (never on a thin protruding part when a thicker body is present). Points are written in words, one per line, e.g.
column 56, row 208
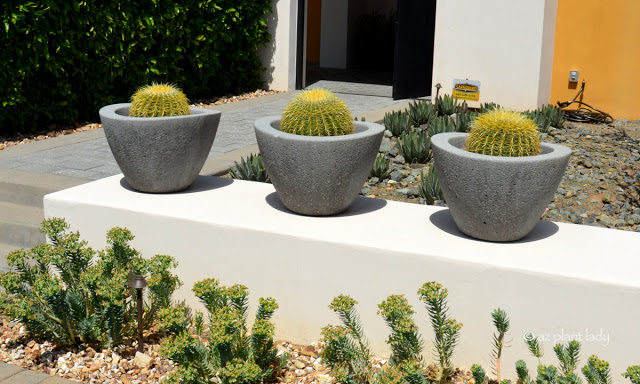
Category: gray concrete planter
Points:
column 159, row 154
column 317, row 176
column 496, row 198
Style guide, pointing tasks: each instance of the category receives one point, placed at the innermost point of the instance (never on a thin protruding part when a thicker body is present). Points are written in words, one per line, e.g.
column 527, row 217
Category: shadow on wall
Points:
column 266, row 53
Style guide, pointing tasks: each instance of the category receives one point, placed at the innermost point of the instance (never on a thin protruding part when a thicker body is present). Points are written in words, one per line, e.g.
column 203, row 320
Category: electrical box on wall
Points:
column 573, row 76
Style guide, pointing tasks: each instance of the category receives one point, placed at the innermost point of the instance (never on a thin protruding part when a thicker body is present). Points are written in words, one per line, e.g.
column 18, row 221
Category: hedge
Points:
column 61, row 60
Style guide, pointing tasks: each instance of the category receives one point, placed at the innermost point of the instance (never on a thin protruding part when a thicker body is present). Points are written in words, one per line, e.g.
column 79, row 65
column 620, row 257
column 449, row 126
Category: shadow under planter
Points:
column 317, row 175
column 159, row 154
column 496, row 198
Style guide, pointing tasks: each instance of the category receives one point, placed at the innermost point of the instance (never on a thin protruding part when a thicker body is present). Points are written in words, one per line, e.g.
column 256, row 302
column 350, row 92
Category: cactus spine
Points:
column 504, row 133
column 317, row 112
column 157, row 100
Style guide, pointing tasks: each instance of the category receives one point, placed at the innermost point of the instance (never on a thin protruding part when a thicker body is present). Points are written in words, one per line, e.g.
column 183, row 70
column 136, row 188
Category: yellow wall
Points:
column 601, row 39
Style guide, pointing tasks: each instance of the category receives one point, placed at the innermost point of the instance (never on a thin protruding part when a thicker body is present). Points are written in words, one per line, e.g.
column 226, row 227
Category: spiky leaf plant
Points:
column 633, row 373
column 446, row 330
column 157, row 100
column 597, row 371
column 346, row 349
column 440, row 124
column 381, row 167
column 464, row 119
column 228, row 353
column 430, row 189
column 534, row 346
column 397, row 122
column 421, row 112
column 405, row 341
column 554, row 114
column 523, row 372
column 501, row 322
column 447, row 105
column 415, row 147
column 568, row 356
column 317, row 112
column 486, row 107
column 478, row 373
column 540, row 119
column 547, row 374
column 88, row 300
column 251, row 169
column 503, row 133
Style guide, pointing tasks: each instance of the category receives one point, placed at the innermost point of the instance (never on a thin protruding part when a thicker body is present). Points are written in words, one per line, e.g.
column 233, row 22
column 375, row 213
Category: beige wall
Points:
column 279, row 56
column 506, row 45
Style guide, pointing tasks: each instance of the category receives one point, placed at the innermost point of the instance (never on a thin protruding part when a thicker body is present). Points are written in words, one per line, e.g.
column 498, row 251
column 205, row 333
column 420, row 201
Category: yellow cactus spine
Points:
column 503, row 133
column 317, row 112
column 157, row 100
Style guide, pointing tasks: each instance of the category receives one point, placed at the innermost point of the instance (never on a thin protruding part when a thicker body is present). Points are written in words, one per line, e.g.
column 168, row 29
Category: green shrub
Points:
column 597, row 371
column 415, row 147
column 397, row 122
column 381, row 167
column 88, row 301
column 226, row 352
column 633, row 374
column 251, row 169
column 317, row 112
column 430, row 186
column 62, row 61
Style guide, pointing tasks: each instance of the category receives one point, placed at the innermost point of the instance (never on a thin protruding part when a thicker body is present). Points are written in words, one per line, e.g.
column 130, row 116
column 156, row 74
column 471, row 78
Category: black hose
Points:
column 585, row 113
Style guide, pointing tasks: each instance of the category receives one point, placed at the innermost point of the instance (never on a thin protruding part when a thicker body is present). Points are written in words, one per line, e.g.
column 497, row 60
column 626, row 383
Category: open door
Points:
column 414, row 48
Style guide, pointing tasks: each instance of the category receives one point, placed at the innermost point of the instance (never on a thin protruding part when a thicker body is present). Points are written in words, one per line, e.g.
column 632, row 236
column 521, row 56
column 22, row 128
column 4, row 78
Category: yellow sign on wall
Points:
column 466, row 90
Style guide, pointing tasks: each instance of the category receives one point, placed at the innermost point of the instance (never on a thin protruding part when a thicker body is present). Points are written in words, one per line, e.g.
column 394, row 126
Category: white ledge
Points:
column 561, row 279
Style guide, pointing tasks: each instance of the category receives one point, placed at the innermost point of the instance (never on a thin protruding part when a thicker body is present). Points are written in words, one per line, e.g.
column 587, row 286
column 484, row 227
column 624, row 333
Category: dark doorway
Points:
column 382, row 42
column 414, row 48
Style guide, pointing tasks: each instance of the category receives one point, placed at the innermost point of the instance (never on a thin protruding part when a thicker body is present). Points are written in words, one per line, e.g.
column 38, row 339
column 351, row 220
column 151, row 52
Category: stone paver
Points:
column 11, row 374
column 91, row 159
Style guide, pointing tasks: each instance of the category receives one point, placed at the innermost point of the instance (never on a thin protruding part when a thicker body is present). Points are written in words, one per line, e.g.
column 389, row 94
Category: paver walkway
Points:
column 87, row 155
column 11, row 374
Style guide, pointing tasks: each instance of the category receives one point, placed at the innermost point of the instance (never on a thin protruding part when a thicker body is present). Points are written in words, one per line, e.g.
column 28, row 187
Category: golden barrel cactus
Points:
column 317, row 112
column 157, row 100
column 502, row 132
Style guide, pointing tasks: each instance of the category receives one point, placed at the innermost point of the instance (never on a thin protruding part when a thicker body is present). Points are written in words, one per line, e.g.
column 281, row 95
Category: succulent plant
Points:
column 430, row 186
column 503, row 133
column 317, row 112
column 479, row 374
column 447, row 105
column 251, row 169
column 381, row 167
column 421, row 112
column 441, row 124
column 541, row 120
column 486, row 107
column 415, row 147
column 157, row 100
column 397, row 122
column 463, row 120
column 633, row 373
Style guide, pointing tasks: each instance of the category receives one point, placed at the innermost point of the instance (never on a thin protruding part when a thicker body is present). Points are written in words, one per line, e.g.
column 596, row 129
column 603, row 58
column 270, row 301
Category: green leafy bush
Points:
column 633, row 374
column 251, row 169
column 226, row 352
column 62, row 61
column 87, row 301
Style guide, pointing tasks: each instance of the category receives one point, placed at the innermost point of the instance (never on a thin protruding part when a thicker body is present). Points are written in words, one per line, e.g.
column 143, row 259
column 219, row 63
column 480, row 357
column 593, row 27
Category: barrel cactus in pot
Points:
column 316, row 155
column 159, row 142
column 498, row 179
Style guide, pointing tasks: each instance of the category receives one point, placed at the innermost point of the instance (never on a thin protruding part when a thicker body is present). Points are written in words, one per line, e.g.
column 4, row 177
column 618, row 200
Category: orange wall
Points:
column 601, row 39
column 314, row 17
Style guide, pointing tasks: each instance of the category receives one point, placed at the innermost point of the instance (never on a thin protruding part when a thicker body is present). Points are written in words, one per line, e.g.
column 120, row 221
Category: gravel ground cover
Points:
column 601, row 185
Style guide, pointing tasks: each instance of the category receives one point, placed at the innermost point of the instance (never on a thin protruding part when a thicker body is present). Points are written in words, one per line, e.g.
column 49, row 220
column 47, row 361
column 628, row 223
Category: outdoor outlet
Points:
column 573, row 76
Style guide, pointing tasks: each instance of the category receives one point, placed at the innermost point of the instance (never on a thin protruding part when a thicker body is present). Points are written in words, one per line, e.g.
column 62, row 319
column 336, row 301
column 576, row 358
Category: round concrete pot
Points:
column 496, row 198
column 317, row 176
column 159, row 154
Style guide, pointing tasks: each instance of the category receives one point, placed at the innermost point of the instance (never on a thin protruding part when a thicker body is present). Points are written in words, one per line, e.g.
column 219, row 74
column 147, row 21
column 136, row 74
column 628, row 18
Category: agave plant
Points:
column 421, row 112
column 381, row 167
column 440, row 125
column 464, row 119
column 397, row 122
column 541, row 120
column 430, row 186
column 251, row 169
column 447, row 105
column 415, row 147
column 486, row 107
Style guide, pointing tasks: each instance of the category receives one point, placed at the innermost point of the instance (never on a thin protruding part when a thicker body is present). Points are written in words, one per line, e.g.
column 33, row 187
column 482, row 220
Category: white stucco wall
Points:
column 506, row 45
column 279, row 56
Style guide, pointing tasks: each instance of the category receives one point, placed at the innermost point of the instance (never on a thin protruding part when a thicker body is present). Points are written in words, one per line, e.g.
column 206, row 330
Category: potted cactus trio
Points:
column 159, row 142
column 498, row 179
column 316, row 155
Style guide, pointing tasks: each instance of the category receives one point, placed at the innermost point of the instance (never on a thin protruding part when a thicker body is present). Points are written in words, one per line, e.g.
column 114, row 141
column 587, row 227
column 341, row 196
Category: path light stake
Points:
column 139, row 283
column 438, row 86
